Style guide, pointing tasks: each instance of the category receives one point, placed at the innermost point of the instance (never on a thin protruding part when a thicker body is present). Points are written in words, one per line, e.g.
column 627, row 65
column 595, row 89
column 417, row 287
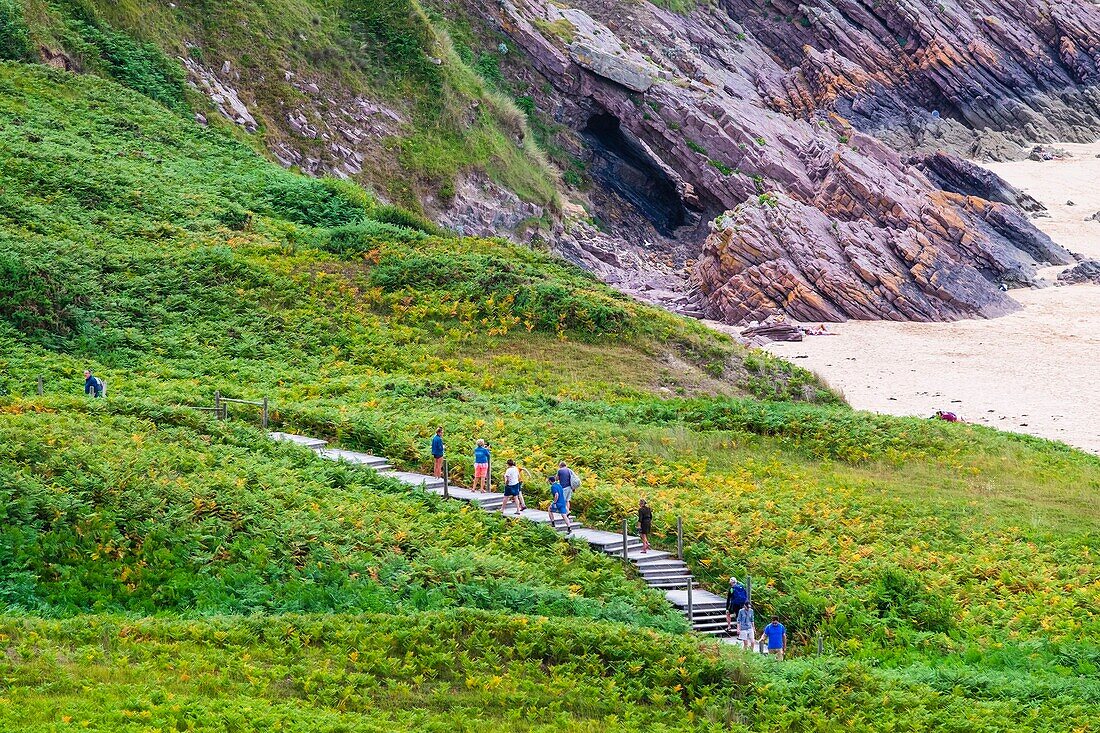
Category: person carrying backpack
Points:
column 736, row 597
column 92, row 385
column 569, row 481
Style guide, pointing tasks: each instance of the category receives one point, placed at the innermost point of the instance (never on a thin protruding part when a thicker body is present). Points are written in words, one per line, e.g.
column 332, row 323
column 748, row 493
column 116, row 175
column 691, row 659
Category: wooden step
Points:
column 669, row 583
column 682, row 578
column 360, row 459
column 617, row 547
column 712, row 632
column 638, row 558
column 308, row 442
column 659, row 568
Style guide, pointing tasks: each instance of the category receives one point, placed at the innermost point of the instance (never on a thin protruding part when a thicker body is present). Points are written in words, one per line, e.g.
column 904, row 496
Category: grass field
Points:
column 160, row 570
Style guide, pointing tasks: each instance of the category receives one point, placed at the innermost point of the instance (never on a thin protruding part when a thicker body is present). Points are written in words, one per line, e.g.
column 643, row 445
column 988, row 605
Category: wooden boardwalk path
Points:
column 657, row 568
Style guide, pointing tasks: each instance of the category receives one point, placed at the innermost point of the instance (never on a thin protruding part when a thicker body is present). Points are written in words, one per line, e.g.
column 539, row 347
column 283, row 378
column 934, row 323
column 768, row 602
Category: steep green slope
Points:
column 322, row 63
column 949, row 568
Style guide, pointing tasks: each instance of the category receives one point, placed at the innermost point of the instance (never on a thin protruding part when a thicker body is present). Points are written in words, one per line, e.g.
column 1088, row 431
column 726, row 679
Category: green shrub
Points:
column 140, row 66
column 696, row 147
column 15, row 40
column 397, row 36
column 404, row 218
column 43, row 296
column 323, row 202
column 355, row 239
column 519, row 288
column 898, row 596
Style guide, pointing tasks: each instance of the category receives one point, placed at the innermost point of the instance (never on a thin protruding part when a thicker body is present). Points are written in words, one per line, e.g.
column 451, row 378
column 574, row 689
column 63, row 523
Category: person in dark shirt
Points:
column 645, row 523
column 92, row 385
column 565, row 478
column 438, row 451
column 736, row 597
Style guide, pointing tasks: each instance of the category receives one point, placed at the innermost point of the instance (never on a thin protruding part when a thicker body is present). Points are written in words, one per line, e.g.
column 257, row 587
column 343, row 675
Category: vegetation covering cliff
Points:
column 618, row 131
column 159, row 569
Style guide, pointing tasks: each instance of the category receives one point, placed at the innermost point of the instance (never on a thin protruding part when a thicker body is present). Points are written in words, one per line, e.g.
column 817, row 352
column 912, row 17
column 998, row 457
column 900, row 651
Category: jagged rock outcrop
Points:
column 824, row 222
column 482, row 208
column 956, row 175
column 963, row 76
column 1084, row 272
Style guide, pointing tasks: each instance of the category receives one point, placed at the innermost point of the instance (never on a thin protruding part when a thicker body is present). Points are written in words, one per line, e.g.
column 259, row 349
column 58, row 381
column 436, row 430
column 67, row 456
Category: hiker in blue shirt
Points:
column 481, row 466
column 776, row 634
column 437, row 451
column 558, row 505
column 92, row 385
column 736, row 596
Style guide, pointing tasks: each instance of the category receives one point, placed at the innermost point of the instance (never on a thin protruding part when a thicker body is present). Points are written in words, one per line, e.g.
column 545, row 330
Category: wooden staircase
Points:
column 659, row 569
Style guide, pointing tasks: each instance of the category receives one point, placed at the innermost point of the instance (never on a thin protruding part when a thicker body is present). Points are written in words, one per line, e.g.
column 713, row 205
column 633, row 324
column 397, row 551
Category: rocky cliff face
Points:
column 735, row 148
column 746, row 158
column 978, row 77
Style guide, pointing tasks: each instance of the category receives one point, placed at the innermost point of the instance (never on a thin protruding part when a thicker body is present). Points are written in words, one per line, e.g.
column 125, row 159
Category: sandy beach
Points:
column 1034, row 371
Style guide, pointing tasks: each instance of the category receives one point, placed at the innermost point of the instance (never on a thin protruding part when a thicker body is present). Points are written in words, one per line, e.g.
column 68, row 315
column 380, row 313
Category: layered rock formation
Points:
column 749, row 157
column 690, row 119
column 976, row 76
column 1084, row 272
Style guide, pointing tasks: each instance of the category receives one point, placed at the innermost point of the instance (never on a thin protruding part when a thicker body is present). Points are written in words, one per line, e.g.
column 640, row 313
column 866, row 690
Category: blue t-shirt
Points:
column 559, row 498
column 437, row 446
column 481, row 454
column 775, row 633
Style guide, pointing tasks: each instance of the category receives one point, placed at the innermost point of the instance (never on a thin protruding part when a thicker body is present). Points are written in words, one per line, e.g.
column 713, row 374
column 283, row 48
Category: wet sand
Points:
column 1034, row 371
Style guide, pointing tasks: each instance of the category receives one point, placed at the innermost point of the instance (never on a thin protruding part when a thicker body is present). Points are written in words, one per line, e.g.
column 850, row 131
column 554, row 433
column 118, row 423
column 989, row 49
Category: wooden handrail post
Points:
column 217, row 404
column 40, row 385
column 691, row 608
column 446, row 480
column 679, row 538
column 263, row 420
column 625, row 529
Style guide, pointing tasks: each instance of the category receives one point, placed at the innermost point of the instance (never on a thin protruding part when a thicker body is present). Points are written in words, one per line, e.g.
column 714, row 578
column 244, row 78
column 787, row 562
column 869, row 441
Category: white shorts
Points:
column 745, row 635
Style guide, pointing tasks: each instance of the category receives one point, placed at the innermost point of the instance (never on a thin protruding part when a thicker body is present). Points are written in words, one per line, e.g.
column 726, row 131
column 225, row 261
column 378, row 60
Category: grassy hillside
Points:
column 314, row 60
column 162, row 570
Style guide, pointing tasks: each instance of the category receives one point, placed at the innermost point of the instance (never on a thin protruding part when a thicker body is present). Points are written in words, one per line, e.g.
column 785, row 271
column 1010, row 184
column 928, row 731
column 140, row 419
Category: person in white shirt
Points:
column 513, row 488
